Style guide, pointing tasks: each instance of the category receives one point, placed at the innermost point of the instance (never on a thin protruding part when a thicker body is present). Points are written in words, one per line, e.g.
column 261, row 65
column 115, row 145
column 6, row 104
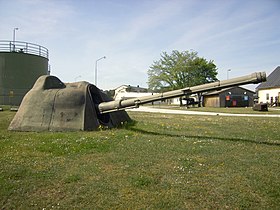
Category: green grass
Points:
column 161, row 162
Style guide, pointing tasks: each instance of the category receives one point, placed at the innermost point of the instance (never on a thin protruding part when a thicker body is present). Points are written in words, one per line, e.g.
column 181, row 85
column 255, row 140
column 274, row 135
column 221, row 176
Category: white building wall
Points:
column 174, row 101
column 265, row 95
column 125, row 95
column 121, row 93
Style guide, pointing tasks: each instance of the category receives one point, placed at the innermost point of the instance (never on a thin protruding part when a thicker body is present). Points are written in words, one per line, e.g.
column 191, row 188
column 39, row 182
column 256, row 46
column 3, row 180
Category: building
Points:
column 184, row 101
column 127, row 92
column 21, row 64
column 269, row 91
column 229, row 97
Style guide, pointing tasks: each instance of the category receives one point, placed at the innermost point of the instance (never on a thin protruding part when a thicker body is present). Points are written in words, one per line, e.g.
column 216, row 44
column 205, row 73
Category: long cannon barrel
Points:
column 111, row 106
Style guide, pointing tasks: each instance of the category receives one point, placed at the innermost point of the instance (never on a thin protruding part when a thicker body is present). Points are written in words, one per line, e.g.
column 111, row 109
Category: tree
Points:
column 179, row 70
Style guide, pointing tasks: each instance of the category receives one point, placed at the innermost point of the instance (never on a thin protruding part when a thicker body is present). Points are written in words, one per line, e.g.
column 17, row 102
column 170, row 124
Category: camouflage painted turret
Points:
column 52, row 105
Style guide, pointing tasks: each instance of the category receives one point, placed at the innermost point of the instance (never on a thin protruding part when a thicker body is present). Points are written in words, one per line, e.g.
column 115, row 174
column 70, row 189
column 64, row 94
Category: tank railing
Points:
column 23, row 47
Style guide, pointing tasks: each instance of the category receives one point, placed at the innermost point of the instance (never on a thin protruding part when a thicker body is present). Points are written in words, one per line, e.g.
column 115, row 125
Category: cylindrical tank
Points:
column 21, row 64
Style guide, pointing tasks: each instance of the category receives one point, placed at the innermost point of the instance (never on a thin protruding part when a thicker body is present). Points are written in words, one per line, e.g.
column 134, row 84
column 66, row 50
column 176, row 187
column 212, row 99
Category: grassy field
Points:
column 159, row 162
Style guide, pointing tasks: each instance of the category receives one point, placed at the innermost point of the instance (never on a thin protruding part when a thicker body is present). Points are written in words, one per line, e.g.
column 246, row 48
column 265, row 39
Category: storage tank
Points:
column 21, row 64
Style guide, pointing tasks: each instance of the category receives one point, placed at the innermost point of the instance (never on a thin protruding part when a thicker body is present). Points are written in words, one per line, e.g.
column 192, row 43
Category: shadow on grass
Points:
column 203, row 137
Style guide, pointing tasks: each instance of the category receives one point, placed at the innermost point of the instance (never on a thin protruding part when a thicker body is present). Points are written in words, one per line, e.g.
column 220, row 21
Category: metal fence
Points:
column 23, row 47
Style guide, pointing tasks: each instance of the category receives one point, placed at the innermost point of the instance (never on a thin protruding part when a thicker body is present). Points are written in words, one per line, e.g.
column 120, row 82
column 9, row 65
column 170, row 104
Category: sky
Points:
column 240, row 35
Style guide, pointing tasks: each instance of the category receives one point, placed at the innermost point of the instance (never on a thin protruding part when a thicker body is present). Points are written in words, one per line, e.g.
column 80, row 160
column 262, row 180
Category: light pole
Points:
column 14, row 39
column 96, row 68
column 228, row 73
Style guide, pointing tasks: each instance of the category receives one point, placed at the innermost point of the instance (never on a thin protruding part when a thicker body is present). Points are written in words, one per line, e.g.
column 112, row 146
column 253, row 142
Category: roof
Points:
column 273, row 80
column 129, row 88
column 216, row 92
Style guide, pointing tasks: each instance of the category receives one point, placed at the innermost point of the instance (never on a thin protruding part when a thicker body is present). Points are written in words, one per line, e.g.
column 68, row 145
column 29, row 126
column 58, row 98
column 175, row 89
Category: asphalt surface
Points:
column 171, row 111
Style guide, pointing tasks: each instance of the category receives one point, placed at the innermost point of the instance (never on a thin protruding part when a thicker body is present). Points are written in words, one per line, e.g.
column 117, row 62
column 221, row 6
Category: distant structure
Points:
column 128, row 91
column 124, row 92
column 21, row 64
column 229, row 97
column 269, row 91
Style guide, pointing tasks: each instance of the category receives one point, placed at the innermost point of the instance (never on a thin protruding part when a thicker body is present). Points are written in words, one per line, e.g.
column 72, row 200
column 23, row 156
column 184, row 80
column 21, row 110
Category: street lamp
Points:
column 228, row 72
column 14, row 38
column 96, row 68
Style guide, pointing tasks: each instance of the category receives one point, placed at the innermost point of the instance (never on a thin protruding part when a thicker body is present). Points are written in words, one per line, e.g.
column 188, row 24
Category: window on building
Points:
column 267, row 96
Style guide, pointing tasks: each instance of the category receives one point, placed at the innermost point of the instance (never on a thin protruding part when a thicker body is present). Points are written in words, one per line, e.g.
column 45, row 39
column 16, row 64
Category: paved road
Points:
column 171, row 111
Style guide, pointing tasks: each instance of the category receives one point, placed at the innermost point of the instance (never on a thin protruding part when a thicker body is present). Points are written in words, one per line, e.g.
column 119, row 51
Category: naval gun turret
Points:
column 52, row 105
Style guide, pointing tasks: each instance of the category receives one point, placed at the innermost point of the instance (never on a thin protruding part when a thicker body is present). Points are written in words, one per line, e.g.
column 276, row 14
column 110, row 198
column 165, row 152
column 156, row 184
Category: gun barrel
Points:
column 111, row 106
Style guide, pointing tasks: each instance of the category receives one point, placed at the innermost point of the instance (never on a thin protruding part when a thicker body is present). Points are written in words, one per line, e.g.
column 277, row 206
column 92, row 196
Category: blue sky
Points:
column 241, row 35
